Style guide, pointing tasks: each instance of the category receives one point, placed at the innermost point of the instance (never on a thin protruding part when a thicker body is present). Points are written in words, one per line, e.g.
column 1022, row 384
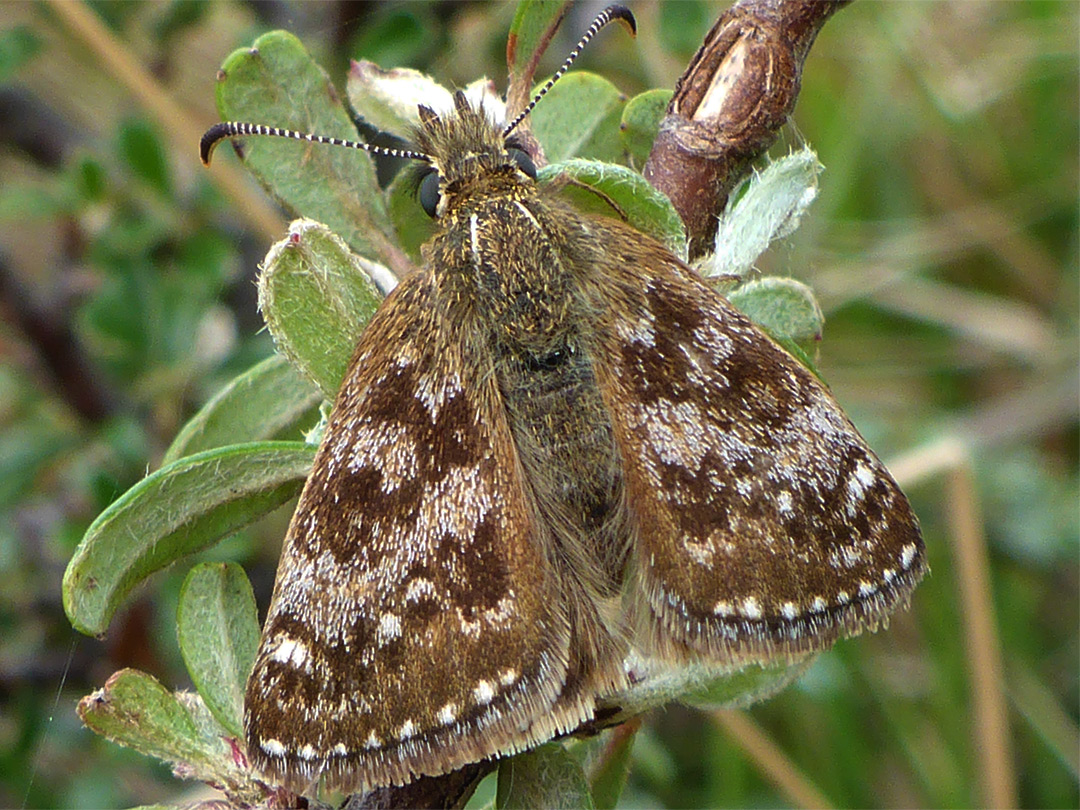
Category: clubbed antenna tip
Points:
column 232, row 129
column 610, row 14
column 211, row 138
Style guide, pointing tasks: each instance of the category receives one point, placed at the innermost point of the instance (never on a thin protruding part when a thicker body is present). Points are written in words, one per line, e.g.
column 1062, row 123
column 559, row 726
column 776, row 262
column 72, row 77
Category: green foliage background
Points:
column 943, row 248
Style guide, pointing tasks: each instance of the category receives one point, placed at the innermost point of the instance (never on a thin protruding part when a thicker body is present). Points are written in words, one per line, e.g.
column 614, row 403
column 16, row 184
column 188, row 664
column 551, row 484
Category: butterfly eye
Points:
column 428, row 192
column 523, row 161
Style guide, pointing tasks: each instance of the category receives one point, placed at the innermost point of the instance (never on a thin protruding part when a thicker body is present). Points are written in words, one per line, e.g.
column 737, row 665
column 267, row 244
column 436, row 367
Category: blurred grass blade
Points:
column 773, row 763
column 1048, row 718
column 277, row 83
column 178, row 510
column 545, row 777
column 316, row 297
column 217, row 625
column 644, row 207
column 259, row 404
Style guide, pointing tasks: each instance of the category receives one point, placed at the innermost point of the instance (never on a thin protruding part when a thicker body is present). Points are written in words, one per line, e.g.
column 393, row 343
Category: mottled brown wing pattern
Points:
column 765, row 523
column 413, row 627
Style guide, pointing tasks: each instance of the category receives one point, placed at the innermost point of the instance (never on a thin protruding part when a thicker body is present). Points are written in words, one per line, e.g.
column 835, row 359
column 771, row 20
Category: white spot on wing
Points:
column 700, row 553
column 860, row 481
column 907, row 556
column 448, row 714
column 290, row 651
column 418, row 589
column 751, row 608
column 788, row 610
column 273, row 747
column 639, row 331
column 388, row 630
column 407, row 730
column 483, row 693
column 846, row 557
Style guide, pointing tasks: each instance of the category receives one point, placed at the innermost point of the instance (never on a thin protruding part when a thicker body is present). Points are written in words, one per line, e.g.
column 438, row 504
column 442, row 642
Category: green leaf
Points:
column 278, row 83
column 545, row 777
column 770, row 206
column 133, row 709
column 90, row 180
column 136, row 711
column 264, row 401
column 387, row 99
column 784, row 307
column 800, row 354
column 647, row 209
column 316, row 297
column 580, row 118
column 534, row 23
column 660, row 681
column 178, row 510
column 641, row 121
column 217, row 625
column 746, row 686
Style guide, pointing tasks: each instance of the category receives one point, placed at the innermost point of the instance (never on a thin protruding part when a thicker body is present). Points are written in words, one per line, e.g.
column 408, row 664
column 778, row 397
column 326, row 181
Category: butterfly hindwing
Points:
column 764, row 522
column 412, row 608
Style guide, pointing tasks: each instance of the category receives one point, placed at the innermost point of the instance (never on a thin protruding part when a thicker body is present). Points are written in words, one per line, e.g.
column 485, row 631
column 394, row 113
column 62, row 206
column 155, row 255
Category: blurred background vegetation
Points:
column 943, row 248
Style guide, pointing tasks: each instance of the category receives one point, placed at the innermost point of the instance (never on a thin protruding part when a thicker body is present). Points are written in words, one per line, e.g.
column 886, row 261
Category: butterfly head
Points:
column 468, row 156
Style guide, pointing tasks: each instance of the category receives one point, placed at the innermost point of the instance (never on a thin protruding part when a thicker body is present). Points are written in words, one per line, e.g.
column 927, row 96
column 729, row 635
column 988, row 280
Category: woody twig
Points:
column 729, row 105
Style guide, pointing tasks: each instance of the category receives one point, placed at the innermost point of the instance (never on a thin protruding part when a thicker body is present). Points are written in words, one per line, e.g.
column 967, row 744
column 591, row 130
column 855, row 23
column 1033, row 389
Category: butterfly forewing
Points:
column 413, row 627
column 765, row 523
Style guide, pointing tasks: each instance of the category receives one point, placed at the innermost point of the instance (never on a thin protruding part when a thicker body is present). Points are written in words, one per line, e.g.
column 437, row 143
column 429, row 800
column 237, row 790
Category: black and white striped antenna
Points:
column 232, row 129
column 609, row 14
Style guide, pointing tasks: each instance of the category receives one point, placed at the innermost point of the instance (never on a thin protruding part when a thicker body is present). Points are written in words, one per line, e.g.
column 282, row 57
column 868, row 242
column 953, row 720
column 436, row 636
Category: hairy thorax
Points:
column 510, row 274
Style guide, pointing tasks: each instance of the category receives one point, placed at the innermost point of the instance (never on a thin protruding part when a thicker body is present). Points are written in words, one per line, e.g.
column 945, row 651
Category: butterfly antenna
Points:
column 620, row 13
column 232, row 129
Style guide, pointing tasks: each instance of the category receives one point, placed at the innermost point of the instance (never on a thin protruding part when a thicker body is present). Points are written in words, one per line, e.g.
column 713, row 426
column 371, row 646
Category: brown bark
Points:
column 729, row 105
